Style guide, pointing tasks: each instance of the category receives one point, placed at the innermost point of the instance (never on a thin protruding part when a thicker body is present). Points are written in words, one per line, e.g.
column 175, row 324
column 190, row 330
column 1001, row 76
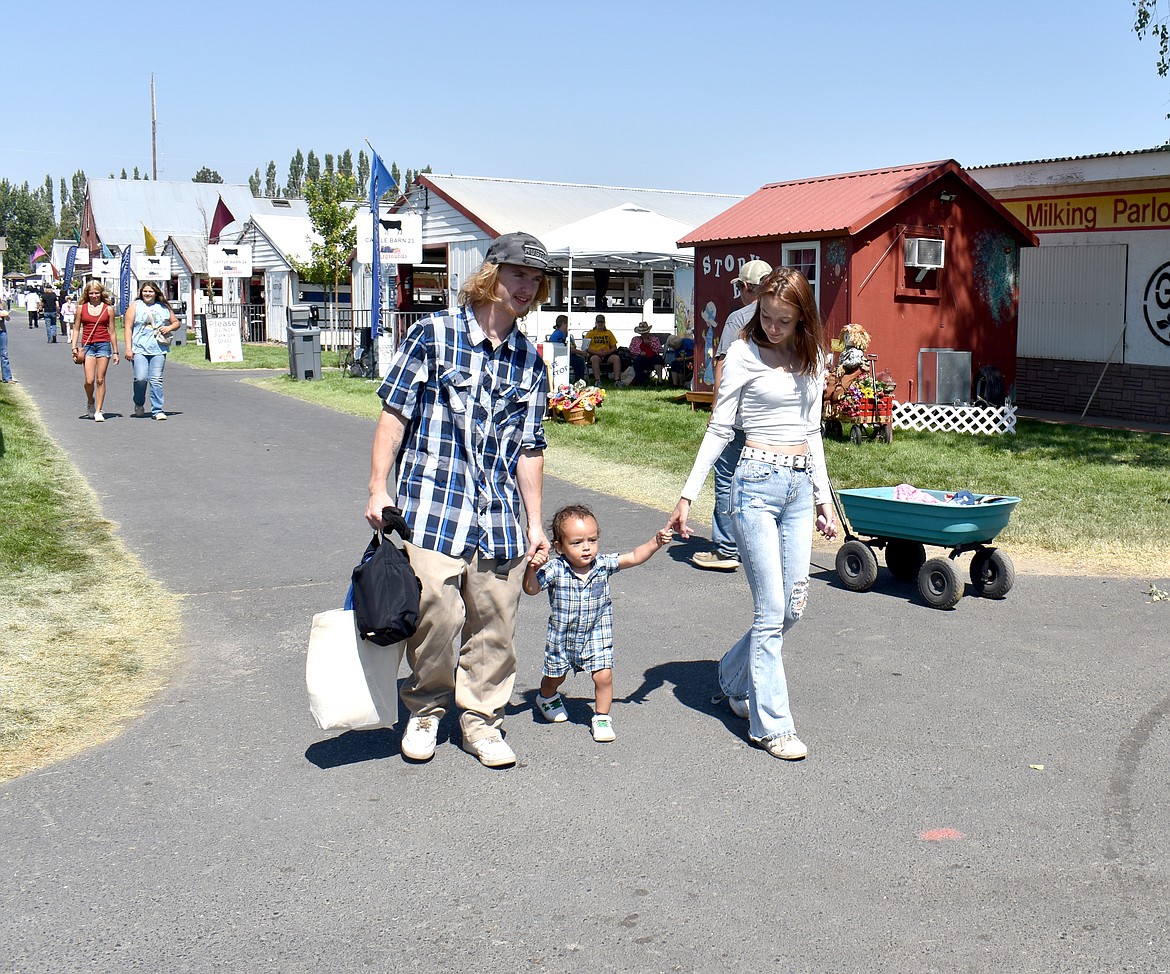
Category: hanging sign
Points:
column 105, row 268
column 229, row 260
column 148, row 268
column 399, row 238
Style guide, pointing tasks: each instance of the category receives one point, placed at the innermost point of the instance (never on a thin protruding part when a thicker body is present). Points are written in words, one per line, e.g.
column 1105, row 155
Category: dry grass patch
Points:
column 86, row 636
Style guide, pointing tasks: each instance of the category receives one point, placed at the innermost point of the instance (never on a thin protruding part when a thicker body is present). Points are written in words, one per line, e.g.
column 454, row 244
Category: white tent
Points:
column 628, row 236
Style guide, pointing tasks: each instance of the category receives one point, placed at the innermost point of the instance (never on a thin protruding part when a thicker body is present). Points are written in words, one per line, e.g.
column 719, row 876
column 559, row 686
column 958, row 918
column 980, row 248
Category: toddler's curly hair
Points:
column 567, row 513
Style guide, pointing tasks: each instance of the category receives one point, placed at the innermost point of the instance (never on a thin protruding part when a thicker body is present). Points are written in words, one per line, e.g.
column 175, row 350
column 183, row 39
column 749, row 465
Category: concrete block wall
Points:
column 1140, row 393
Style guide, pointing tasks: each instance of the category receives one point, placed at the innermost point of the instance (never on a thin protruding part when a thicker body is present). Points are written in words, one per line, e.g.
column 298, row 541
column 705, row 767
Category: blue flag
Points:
column 70, row 259
column 380, row 182
column 106, row 255
column 124, row 281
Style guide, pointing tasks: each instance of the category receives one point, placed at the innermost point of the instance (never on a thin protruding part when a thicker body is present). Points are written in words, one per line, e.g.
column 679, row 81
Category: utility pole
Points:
column 153, row 134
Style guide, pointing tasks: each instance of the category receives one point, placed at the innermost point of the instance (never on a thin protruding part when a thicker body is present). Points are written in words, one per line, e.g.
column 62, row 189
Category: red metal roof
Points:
column 844, row 203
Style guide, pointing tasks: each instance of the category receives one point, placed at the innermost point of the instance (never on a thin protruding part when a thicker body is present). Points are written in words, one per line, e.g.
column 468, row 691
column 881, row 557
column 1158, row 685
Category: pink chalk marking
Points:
column 940, row 835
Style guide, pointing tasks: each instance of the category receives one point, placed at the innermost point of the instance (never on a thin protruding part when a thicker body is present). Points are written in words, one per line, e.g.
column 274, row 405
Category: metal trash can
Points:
column 304, row 343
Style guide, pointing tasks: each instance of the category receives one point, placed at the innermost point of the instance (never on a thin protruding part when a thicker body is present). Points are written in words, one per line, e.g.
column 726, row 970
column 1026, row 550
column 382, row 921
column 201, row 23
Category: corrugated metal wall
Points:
column 1072, row 302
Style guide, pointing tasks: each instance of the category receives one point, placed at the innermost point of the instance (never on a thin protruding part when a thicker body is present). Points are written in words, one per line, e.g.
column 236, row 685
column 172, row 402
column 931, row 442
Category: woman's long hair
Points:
column 159, row 297
column 789, row 284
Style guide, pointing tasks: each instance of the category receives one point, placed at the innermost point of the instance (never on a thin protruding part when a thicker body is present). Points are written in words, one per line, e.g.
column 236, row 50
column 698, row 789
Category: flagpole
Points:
column 153, row 133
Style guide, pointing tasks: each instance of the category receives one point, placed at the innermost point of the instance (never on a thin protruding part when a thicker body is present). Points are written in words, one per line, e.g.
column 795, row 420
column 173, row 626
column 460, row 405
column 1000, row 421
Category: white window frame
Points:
column 813, row 245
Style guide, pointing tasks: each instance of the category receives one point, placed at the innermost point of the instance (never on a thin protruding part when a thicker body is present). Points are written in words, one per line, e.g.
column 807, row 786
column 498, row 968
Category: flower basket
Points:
column 579, row 416
column 576, row 404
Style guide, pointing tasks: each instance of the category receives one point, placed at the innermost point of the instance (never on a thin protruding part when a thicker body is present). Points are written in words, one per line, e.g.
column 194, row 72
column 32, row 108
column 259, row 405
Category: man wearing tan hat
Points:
column 461, row 422
column 725, row 557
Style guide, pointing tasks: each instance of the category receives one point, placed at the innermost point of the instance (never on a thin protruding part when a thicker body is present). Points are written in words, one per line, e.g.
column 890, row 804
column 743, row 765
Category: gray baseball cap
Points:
column 518, row 248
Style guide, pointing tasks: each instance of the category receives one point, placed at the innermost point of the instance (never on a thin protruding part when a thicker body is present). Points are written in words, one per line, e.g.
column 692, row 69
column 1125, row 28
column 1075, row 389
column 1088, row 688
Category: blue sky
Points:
column 684, row 95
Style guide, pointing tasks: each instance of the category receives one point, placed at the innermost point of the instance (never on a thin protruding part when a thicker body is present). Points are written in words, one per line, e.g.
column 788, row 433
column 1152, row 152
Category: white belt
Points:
column 800, row 461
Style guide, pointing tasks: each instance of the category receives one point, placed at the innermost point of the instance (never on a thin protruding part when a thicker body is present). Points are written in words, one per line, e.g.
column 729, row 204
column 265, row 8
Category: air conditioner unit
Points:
column 925, row 252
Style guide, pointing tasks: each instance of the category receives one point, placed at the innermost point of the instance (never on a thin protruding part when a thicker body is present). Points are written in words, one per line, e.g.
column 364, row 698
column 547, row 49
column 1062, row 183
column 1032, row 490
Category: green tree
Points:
column 363, row 173
column 254, row 183
column 271, row 190
column 296, row 177
column 332, row 219
column 137, row 174
column 26, row 220
column 345, row 163
column 123, row 172
column 1152, row 17
column 205, row 175
column 396, row 173
column 312, row 169
column 328, row 163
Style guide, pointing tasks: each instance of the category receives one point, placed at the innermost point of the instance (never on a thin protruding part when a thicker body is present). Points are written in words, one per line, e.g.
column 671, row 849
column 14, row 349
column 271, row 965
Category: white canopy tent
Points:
column 628, row 236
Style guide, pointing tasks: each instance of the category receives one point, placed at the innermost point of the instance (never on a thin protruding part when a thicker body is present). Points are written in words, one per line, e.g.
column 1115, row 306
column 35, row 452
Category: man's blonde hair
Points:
column 480, row 288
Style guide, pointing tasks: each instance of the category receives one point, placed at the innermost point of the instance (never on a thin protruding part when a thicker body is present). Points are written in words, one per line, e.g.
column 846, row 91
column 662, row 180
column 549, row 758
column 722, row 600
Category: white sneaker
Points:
column 493, row 752
column 787, row 747
column 418, row 742
column 160, row 415
column 552, row 708
column 739, row 707
column 98, row 417
column 602, row 727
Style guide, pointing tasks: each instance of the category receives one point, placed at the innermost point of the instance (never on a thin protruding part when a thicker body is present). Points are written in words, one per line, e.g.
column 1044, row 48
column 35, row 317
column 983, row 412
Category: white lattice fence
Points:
column 942, row 418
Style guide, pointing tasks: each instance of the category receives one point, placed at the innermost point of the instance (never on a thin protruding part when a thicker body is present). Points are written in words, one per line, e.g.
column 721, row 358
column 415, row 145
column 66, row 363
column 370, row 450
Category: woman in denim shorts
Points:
column 96, row 336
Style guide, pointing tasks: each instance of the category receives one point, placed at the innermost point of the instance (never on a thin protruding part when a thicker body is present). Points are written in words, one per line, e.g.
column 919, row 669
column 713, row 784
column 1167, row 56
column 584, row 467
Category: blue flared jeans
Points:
column 773, row 510
column 148, row 373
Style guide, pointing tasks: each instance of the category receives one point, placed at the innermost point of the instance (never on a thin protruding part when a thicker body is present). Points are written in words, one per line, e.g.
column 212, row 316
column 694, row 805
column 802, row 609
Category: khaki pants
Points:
column 465, row 639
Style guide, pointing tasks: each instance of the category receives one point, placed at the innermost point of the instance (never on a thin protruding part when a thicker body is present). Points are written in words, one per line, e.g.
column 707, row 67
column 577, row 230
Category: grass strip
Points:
column 86, row 636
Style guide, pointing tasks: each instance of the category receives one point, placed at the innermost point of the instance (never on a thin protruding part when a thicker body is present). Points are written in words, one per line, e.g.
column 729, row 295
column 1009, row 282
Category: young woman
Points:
column 772, row 380
column 149, row 325
column 96, row 336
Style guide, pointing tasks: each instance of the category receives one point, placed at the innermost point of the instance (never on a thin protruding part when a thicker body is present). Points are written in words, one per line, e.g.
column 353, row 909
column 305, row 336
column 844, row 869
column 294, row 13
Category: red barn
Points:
column 922, row 256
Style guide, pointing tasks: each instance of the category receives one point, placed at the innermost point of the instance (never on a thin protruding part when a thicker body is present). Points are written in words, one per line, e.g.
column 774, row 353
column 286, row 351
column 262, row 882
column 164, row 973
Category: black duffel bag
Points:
column 385, row 587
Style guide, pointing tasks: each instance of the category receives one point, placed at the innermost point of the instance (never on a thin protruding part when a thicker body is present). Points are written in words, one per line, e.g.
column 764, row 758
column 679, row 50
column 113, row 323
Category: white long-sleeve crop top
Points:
column 773, row 406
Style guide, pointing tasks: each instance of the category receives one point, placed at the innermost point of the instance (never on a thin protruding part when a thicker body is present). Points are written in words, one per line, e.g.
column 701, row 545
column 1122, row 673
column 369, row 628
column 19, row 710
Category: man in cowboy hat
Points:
column 647, row 355
column 725, row 557
column 461, row 419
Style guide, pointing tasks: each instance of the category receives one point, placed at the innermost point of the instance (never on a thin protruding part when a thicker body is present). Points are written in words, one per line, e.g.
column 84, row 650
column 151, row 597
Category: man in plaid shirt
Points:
column 463, row 404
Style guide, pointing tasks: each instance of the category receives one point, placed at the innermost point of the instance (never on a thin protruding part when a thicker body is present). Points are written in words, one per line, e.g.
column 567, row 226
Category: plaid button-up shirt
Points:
column 469, row 411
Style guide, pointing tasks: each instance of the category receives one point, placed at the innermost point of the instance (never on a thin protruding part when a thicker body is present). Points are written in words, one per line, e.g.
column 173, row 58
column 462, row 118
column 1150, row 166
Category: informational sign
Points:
column 229, row 260
column 147, row 268
column 1145, row 210
column 556, row 360
column 399, row 238
column 223, row 340
column 105, row 268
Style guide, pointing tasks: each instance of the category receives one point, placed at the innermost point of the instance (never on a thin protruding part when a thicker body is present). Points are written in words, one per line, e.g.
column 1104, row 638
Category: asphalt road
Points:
column 985, row 791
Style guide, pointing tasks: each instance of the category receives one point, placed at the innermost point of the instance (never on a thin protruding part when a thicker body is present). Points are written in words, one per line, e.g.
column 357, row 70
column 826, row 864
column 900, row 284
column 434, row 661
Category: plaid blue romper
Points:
column 580, row 622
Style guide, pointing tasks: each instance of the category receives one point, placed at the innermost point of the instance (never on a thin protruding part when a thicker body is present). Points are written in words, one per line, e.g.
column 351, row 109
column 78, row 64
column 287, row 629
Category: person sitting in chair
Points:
column 603, row 349
column 647, row 354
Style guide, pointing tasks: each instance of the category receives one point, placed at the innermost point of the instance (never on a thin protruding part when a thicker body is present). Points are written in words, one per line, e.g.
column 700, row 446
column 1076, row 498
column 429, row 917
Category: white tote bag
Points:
column 352, row 683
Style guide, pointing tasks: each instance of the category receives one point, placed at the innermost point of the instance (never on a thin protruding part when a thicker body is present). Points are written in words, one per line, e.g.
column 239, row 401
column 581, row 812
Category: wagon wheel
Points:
column 855, row 435
column 992, row 573
column 904, row 558
column 857, row 566
column 833, row 427
column 887, row 432
column 939, row 583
